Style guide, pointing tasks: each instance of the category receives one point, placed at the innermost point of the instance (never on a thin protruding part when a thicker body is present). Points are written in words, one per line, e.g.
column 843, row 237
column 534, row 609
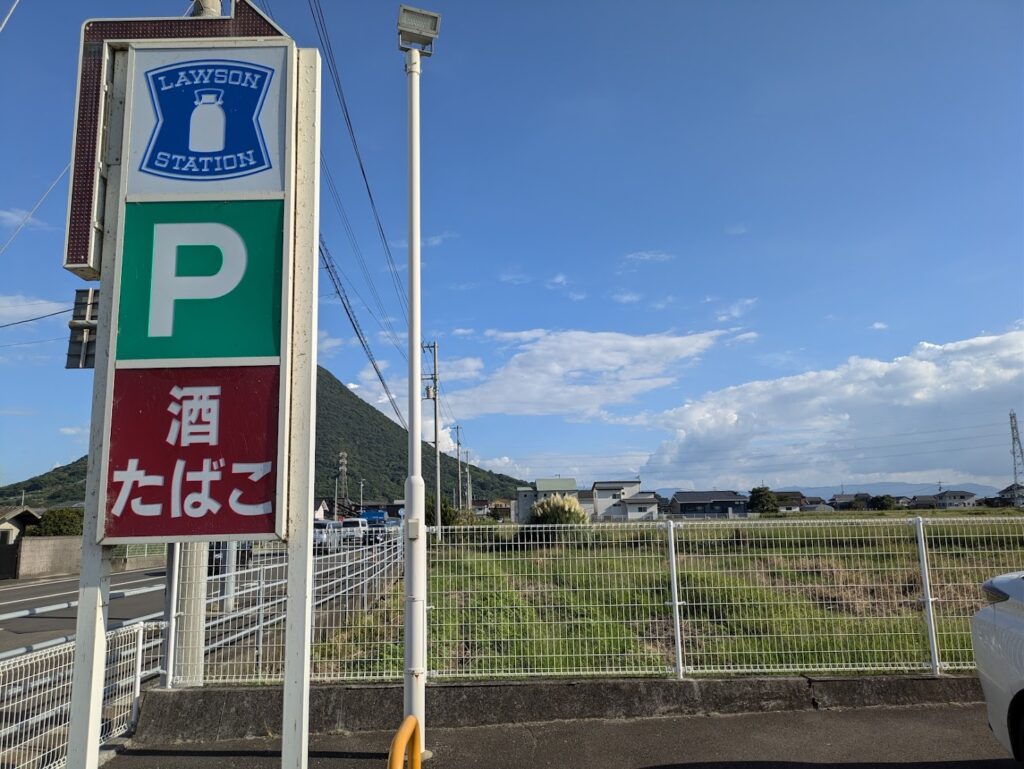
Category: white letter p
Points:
column 167, row 287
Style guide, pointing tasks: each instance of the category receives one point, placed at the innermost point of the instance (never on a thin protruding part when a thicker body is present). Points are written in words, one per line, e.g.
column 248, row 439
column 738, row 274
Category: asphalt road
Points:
column 27, row 594
column 947, row 737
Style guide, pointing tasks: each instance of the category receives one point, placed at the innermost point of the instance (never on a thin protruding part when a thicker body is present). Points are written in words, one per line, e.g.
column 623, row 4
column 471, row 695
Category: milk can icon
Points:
column 207, row 127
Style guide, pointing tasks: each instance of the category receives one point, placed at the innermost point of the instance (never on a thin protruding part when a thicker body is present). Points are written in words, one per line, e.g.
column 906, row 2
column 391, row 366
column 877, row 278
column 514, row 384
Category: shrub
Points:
column 557, row 509
column 59, row 523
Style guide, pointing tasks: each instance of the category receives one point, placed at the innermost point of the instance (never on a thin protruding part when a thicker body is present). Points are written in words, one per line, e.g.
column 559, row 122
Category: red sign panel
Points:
column 193, row 452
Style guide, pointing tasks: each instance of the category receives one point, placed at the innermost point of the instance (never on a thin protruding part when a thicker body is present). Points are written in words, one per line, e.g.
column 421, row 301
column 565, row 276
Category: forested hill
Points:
column 376, row 446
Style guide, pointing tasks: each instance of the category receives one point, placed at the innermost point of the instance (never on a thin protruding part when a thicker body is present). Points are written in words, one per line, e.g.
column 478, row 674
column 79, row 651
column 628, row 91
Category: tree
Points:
column 59, row 523
column 883, row 502
column 763, row 501
column 449, row 515
column 858, row 504
column 557, row 509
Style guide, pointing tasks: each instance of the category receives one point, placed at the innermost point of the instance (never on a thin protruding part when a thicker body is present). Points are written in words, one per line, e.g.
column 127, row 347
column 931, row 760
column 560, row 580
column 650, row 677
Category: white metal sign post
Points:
column 205, row 198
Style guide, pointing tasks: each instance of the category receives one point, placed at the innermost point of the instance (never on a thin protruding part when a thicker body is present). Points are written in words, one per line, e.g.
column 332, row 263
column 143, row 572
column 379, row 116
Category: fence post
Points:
column 137, row 681
column 674, row 588
column 926, row 598
column 260, row 618
column 171, row 612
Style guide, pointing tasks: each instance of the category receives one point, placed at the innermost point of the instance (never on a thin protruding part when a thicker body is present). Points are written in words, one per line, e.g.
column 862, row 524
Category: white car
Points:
column 998, row 634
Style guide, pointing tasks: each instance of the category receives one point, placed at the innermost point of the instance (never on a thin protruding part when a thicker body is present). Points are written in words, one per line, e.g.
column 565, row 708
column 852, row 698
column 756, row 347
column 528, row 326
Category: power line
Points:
column 383, row 320
column 329, row 265
column 28, row 217
column 8, row 16
column 34, row 341
column 320, row 23
column 38, row 317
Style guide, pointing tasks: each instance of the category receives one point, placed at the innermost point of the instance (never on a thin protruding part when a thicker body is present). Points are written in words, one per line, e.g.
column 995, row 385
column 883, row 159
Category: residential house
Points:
column 817, row 508
column 924, row 502
column 953, row 498
column 708, row 504
column 790, row 501
column 501, row 509
column 860, row 501
column 586, row 498
column 13, row 522
column 641, row 507
column 542, row 488
column 1011, row 496
column 902, row 501
column 814, row 501
column 608, row 496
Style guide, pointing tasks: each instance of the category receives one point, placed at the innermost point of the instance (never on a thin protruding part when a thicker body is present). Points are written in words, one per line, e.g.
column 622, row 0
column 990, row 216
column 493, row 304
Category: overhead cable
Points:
column 320, row 22
column 328, row 262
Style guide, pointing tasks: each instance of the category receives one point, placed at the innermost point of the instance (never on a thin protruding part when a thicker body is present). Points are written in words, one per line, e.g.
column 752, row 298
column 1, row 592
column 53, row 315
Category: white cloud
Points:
column 626, row 297
column 13, row 217
column 735, row 310
column 516, row 336
column 577, row 296
column 514, row 277
column 747, row 336
column 668, row 300
column 879, row 326
column 326, row 343
column 430, row 241
column 578, row 373
column 736, row 229
column 74, row 431
column 557, row 281
column 462, row 332
column 935, row 413
column 15, row 307
column 461, row 369
column 649, row 256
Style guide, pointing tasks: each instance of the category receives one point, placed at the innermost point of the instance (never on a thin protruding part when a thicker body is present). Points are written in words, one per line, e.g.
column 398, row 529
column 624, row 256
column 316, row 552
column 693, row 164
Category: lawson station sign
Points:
column 199, row 349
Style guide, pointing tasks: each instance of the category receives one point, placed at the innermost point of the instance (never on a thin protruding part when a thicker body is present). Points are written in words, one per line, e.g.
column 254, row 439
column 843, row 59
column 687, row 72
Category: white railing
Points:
column 35, row 695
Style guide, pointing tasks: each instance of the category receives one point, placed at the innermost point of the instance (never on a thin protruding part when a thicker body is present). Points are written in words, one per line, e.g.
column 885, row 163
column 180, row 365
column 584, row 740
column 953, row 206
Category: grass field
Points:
column 754, row 597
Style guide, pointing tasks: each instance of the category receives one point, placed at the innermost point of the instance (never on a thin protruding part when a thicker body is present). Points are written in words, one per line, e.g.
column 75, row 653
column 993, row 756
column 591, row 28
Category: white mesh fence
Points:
column 661, row 598
column 35, row 695
column 230, row 623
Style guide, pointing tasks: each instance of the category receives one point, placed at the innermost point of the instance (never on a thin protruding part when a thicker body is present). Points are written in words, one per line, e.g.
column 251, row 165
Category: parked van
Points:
column 326, row 537
column 355, row 531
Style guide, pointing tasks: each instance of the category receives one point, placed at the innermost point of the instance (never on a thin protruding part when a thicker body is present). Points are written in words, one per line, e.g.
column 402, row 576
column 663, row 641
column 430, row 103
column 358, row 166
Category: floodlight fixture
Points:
column 417, row 29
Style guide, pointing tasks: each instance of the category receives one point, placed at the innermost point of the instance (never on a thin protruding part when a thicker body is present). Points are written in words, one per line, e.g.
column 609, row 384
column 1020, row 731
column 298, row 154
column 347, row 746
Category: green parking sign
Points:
column 201, row 280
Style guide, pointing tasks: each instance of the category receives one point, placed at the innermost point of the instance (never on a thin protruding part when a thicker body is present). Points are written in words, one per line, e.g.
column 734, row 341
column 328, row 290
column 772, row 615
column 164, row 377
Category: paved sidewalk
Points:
column 946, row 736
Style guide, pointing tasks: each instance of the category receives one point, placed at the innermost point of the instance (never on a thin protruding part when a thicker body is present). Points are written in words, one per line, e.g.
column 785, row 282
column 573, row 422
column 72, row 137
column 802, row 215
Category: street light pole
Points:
column 361, row 482
column 416, row 32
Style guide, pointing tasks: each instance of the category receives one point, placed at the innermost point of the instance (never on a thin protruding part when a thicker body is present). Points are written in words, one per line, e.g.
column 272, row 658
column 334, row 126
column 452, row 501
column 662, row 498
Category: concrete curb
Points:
column 232, row 713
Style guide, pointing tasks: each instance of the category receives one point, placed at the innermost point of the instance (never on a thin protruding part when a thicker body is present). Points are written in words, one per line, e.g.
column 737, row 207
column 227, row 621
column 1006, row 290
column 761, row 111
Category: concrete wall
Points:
column 212, row 714
column 53, row 556
column 49, row 556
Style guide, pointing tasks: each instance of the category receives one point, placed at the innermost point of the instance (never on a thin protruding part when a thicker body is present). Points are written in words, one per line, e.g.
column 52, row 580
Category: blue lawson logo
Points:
column 207, row 125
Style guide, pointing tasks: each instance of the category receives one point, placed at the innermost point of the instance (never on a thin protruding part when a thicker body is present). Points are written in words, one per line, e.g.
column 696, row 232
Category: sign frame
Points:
column 284, row 359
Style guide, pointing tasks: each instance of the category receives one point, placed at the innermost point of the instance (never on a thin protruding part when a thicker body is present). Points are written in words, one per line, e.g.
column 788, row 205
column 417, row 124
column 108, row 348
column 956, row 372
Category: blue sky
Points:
column 705, row 242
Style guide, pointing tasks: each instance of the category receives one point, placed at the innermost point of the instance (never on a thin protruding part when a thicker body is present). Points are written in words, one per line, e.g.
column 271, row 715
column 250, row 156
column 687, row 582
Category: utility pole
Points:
column 458, row 461
column 434, row 394
column 1018, row 460
column 469, row 484
column 343, row 474
column 361, row 482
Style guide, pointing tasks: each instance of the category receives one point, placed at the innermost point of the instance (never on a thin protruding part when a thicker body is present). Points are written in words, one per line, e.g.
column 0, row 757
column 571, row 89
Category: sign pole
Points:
column 302, row 439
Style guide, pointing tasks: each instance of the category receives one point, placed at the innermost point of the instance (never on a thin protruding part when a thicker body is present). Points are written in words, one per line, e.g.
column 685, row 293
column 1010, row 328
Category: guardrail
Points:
column 35, row 695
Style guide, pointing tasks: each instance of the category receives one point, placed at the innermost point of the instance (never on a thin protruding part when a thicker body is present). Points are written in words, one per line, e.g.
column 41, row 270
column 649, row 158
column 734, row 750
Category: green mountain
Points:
column 376, row 446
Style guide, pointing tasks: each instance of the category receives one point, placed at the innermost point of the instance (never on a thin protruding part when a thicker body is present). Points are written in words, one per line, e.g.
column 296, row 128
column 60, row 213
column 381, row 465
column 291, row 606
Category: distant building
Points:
column 817, row 508
column 924, row 502
column 609, row 496
column 790, row 501
column 542, row 488
column 641, row 507
column 1011, row 495
column 850, row 501
column 708, row 504
column 13, row 522
column 586, row 498
column 902, row 501
column 954, row 498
